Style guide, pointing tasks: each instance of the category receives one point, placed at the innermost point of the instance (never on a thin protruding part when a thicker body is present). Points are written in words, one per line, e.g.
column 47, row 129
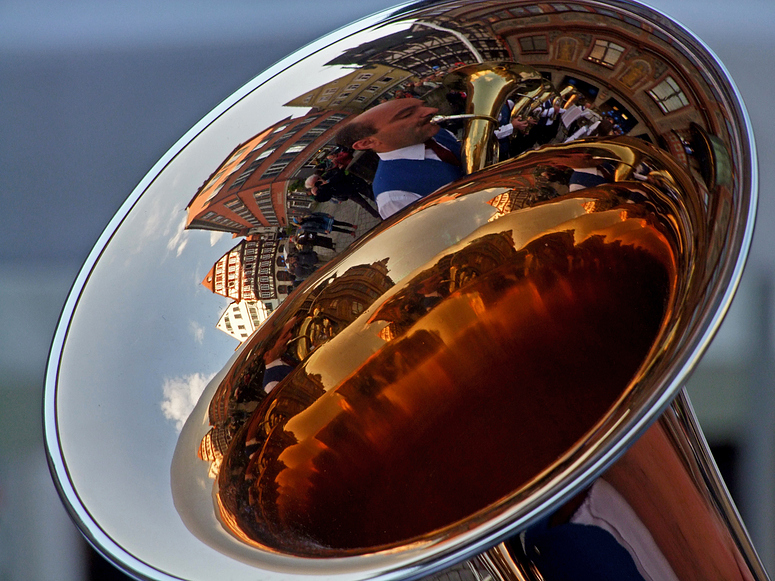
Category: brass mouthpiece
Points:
column 437, row 119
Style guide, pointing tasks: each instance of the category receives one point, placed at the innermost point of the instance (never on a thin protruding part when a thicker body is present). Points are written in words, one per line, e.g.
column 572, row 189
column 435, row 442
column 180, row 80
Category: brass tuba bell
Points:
column 487, row 384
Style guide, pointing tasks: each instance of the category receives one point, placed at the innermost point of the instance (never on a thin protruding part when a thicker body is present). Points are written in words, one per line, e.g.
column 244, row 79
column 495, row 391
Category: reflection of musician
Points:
column 508, row 127
column 549, row 115
column 416, row 157
column 602, row 540
column 277, row 368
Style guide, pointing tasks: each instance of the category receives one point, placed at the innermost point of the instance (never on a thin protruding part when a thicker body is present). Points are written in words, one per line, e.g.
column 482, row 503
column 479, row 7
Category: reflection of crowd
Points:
column 417, row 156
column 333, row 182
column 310, row 232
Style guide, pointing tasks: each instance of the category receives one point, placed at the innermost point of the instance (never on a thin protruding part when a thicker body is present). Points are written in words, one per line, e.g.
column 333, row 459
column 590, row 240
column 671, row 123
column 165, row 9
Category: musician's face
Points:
column 399, row 123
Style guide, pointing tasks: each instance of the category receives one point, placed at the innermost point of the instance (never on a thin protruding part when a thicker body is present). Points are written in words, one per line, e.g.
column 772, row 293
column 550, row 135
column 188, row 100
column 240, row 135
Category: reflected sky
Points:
column 143, row 340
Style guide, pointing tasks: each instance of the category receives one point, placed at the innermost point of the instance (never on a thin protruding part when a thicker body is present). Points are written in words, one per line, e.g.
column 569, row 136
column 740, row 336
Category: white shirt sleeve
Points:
column 504, row 131
column 391, row 201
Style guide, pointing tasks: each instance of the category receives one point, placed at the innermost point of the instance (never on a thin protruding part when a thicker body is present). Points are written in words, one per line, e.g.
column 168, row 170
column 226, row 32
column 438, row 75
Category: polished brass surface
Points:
column 480, row 369
column 487, row 86
column 501, row 323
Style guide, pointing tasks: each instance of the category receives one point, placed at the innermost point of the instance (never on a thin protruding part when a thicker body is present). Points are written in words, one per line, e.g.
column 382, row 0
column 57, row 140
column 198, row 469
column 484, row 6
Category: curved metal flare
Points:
column 488, row 383
column 478, row 324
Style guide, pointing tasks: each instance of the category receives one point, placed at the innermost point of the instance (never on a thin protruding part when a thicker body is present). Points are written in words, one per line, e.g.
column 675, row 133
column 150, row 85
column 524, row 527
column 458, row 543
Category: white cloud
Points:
column 180, row 239
column 215, row 237
column 197, row 330
column 181, row 395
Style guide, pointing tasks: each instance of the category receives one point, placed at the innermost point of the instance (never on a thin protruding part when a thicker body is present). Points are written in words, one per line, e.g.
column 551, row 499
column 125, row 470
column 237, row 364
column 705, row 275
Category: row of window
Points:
column 668, row 95
column 264, row 201
column 548, row 8
column 242, row 211
column 221, row 220
column 263, row 198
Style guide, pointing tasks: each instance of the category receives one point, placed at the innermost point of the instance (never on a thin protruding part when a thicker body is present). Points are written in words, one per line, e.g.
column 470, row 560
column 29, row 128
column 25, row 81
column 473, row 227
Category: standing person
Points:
column 549, row 124
column 337, row 183
column 312, row 239
column 508, row 127
column 323, row 223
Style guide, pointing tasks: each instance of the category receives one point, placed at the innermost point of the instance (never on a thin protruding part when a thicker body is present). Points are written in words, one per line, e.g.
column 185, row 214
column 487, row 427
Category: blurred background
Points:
column 93, row 93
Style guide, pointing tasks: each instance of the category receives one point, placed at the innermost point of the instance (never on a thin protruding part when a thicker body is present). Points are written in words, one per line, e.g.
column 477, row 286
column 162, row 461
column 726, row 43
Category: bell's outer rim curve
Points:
column 140, row 569
column 90, row 529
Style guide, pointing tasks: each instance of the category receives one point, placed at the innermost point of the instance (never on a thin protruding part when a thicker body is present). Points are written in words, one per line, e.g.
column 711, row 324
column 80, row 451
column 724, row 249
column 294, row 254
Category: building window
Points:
column 275, row 168
column 668, row 95
column 533, row 44
column 260, row 145
column 264, row 201
column 317, row 131
column 605, row 53
column 296, row 148
column 242, row 211
column 265, row 154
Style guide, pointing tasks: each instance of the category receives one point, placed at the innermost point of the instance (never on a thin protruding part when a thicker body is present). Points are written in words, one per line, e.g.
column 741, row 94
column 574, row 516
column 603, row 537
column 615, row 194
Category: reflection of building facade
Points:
column 428, row 47
column 252, row 271
column 252, row 463
column 340, row 303
column 627, row 69
column 355, row 91
column 350, row 294
column 451, row 273
column 259, row 187
column 620, row 64
column 243, row 317
column 528, row 190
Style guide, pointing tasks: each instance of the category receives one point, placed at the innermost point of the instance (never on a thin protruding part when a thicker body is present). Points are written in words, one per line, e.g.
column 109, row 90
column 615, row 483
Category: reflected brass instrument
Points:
column 489, row 383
